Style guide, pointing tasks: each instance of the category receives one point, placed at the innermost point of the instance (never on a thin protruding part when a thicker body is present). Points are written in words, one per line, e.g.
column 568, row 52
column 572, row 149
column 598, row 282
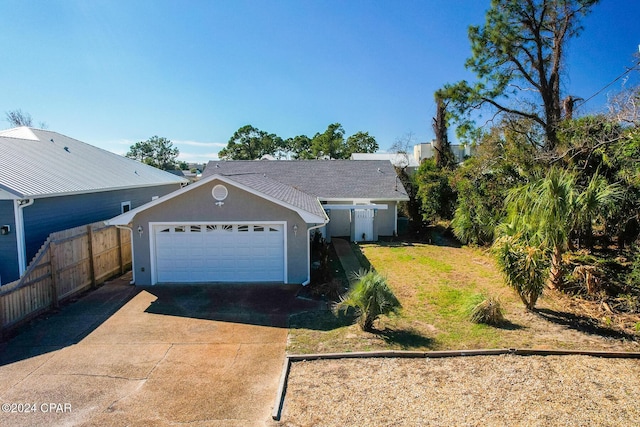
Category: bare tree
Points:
column 624, row 107
column 403, row 148
column 17, row 118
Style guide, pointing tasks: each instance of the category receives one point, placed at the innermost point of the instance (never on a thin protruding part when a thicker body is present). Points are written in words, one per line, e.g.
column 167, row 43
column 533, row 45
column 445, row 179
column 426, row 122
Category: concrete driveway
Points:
column 170, row 355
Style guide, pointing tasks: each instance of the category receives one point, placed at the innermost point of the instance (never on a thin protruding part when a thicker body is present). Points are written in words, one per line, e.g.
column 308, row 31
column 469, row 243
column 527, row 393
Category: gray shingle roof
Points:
column 307, row 206
column 279, row 191
column 325, row 179
column 40, row 163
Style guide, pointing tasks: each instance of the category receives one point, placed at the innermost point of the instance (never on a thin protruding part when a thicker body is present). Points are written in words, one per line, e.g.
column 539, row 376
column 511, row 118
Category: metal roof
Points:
column 37, row 163
column 325, row 179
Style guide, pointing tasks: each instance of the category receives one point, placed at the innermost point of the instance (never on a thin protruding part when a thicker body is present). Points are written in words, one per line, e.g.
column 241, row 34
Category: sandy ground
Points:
column 505, row 390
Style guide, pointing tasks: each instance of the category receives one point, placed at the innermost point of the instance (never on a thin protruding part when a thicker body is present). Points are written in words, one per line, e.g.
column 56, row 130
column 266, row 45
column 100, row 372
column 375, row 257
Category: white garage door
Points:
column 227, row 252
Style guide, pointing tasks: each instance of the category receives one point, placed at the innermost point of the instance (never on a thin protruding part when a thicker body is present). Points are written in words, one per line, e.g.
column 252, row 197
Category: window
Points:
column 220, row 192
column 125, row 207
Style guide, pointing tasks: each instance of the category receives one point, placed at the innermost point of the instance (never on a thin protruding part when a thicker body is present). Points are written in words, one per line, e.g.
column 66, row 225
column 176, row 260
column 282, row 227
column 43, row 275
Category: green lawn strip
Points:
column 435, row 313
column 437, row 285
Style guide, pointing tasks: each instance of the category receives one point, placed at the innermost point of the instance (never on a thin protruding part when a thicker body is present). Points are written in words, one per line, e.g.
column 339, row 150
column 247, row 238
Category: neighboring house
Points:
column 401, row 160
column 176, row 172
column 50, row 182
column 426, row 150
column 252, row 221
column 190, row 176
column 421, row 151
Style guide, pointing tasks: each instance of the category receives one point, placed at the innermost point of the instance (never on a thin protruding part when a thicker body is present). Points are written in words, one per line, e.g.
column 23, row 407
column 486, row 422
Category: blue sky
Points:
column 112, row 73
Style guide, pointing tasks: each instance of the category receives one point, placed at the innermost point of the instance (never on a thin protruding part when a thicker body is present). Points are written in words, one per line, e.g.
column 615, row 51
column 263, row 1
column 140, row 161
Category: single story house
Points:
column 50, row 182
column 252, row 221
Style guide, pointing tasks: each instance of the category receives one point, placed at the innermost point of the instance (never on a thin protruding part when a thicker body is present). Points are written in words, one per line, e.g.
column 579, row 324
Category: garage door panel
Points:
column 219, row 253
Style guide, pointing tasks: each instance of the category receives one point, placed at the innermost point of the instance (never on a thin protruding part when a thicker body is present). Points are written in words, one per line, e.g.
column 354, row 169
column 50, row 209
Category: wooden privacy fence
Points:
column 69, row 262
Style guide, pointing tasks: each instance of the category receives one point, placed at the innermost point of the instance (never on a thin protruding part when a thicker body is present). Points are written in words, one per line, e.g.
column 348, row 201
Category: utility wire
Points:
column 635, row 67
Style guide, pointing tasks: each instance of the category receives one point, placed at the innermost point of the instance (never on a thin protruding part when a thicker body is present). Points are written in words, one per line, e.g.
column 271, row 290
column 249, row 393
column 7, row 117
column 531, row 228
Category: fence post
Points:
column 92, row 265
column 120, row 257
column 54, row 275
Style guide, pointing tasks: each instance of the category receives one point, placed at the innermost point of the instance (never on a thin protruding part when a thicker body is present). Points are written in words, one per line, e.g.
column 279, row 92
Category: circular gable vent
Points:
column 220, row 192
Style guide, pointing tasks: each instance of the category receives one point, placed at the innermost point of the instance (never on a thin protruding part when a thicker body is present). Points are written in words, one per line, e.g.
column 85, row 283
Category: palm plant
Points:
column 473, row 224
column 541, row 216
column 542, row 212
column 371, row 297
column 524, row 268
column 598, row 198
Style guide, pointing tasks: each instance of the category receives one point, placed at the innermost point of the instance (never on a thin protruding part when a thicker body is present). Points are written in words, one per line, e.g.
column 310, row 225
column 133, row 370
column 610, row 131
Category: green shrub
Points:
column 320, row 255
column 371, row 297
column 525, row 268
column 487, row 311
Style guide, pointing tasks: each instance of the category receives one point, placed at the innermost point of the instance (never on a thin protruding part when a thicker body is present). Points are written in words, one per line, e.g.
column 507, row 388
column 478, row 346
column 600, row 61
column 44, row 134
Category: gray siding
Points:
column 385, row 219
column 339, row 221
column 340, row 224
column 53, row 214
column 198, row 205
column 8, row 248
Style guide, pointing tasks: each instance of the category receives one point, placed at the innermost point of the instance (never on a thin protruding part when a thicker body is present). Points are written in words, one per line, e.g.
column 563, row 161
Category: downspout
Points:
column 395, row 218
column 21, row 244
column 315, row 227
column 133, row 258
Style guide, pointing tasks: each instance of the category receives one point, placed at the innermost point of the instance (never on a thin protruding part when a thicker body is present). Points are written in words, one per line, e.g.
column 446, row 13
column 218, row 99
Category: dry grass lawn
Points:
column 437, row 285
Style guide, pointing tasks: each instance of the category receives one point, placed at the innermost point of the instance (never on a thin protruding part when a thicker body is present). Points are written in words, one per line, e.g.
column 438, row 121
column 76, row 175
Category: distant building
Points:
column 426, row 150
column 421, row 151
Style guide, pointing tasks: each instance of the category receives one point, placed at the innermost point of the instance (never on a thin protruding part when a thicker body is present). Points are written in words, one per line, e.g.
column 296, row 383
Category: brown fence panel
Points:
column 72, row 269
column 106, row 253
column 71, row 261
column 125, row 249
column 25, row 303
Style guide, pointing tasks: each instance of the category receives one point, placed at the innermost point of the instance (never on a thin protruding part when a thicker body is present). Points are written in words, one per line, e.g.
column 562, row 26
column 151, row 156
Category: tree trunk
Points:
column 555, row 273
column 441, row 147
column 533, row 298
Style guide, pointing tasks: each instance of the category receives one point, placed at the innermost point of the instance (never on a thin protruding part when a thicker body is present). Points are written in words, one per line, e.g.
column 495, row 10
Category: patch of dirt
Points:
column 505, row 390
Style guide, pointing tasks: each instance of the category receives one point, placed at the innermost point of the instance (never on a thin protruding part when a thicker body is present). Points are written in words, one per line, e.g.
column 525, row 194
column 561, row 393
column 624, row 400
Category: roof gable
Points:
column 40, row 163
column 307, row 206
column 325, row 179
